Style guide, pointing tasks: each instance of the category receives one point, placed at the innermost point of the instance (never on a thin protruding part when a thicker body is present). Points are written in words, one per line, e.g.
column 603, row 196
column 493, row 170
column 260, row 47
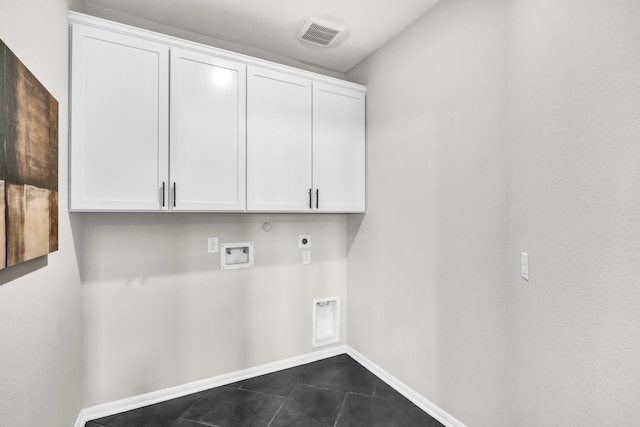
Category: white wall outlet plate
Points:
column 306, row 257
column 212, row 245
column 524, row 265
column 304, row 241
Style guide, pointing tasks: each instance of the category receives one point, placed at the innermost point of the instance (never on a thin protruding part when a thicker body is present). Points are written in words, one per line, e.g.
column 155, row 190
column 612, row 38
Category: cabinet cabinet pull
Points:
column 317, row 198
column 309, row 198
column 174, row 194
column 163, row 193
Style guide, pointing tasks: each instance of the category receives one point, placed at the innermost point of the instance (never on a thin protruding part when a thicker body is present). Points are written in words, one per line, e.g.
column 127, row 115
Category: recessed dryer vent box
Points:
column 236, row 255
column 326, row 321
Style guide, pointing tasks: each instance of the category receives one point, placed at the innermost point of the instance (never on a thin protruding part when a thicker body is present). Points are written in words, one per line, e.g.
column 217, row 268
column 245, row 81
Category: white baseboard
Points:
column 135, row 402
column 426, row 405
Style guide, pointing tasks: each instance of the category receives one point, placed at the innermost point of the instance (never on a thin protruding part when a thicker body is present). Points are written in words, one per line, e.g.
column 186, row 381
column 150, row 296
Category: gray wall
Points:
column 40, row 362
column 157, row 311
column 574, row 206
column 426, row 263
column 461, row 202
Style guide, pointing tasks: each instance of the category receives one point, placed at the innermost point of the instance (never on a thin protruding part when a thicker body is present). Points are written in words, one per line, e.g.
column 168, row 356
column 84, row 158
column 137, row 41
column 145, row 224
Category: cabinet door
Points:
column 207, row 153
column 278, row 141
column 119, row 123
column 338, row 149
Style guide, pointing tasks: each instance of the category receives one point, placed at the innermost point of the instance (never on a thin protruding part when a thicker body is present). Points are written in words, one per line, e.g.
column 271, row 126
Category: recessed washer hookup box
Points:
column 236, row 255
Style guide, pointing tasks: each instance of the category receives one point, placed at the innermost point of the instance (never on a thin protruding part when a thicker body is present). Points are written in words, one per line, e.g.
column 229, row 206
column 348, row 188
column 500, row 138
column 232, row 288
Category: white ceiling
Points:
column 272, row 25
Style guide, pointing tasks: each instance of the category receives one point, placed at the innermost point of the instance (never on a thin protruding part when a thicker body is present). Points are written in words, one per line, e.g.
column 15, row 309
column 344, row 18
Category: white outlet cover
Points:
column 301, row 241
column 212, row 245
column 306, row 257
column 524, row 265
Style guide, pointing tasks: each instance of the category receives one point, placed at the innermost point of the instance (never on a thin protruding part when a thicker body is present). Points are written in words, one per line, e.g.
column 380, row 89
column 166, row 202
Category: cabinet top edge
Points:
column 172, row 41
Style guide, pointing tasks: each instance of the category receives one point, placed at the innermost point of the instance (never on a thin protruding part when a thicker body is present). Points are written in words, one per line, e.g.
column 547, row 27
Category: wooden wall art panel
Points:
column 28, row 164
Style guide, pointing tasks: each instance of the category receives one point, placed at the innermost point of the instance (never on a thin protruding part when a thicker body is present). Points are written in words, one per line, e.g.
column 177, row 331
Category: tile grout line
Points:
column 194, row 404
column 259, row 392
column 197, row 422
column 278, row 411
column 283, row 403
column 290, row 393
column 341, row 408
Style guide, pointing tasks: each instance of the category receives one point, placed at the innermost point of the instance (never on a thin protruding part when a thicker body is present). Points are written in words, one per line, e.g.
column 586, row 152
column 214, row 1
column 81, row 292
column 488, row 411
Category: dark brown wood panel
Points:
column 28, row 163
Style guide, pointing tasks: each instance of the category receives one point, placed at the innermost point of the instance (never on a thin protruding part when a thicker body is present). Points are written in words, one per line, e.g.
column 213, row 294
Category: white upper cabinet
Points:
column 208, row 123
column 119, row 121
column 305, row 145
column 338, row 149
column 278, row 141
column 163, row 124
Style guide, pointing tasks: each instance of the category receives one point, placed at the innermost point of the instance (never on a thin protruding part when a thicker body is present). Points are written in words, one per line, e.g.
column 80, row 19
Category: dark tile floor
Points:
column 334, row 392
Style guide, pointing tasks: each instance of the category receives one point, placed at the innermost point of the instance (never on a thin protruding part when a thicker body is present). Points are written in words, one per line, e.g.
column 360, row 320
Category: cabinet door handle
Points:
column 317, row 198
column 163, row 193
column 309, row 198
column 174, row 194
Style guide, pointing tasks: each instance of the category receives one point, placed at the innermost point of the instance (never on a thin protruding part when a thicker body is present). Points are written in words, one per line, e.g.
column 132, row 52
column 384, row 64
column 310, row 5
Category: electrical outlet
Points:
column 306, row 257
column 304, row 241
column 212, row 245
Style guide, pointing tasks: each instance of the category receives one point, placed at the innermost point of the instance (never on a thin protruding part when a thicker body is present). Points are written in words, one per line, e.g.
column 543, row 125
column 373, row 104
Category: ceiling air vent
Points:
column 318, row 32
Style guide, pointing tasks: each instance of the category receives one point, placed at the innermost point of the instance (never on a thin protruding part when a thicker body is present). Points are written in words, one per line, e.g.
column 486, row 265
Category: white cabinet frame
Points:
column 208, row 126
column 119, row 121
